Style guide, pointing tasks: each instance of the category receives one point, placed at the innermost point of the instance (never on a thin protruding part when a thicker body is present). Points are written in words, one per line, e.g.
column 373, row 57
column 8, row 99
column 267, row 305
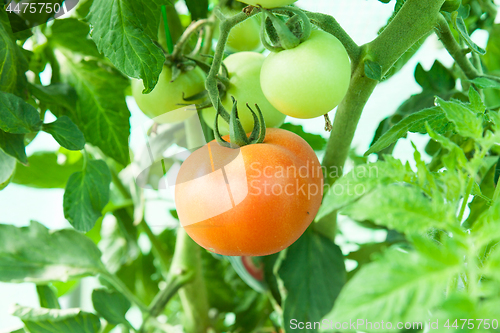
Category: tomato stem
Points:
column 454, row 49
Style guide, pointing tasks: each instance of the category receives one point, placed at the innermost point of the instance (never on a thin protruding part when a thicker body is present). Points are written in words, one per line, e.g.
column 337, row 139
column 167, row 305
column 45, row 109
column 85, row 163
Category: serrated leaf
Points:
column 373, row 70
column 366, row 177
column 308, row 297
column 86, row 194
column 467, row 123
column 437, row 79
column 59, row 94
column 402, row 207
column 198, row 9
column 459, row 24
column 13, row 145
column 101, row 114
column 484, row 83
column 456, row 155
column 17, row 116
column 48, row 170
column 72, row 34
column 55, row 320
column 476, row 103
column 486, row 229
column 7, row 168
column 35, row 254
column 111, row 305
column 413, row 123
column 123, row 30
column 398, row 287
column 66, row 133
column 317, row 142
column 47, row 295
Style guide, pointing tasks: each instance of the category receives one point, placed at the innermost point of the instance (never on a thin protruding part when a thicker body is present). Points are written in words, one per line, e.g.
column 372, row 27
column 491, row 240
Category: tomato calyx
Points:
column 237, row 135
column 284, row 35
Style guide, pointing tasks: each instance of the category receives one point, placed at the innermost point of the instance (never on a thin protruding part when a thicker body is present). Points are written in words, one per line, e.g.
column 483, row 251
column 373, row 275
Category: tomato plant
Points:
column 307, row 90
column 244, row 85
column 244, row 221
column 168, row 96
column 383, row 219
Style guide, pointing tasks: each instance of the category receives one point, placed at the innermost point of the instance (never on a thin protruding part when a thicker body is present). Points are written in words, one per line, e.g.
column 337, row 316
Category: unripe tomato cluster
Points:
column 260, row 198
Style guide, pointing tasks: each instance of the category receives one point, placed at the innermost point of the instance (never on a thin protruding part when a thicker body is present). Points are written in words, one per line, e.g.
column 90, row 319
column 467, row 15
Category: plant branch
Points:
column 193, row 28
column 330, row 25
column 468, row 192
column 415, row 19
column 454, row 49
column 226, row 24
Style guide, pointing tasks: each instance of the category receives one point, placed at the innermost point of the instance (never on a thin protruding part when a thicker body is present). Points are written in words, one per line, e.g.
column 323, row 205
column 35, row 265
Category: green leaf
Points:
column 486, row 229
column 47, row 295
column 398, row 287
column 364, row 178
column 72, row 34
column 317, row 142
column 111, row 305
column 66, row 133
column 17, row 116
column 456, row 156
column 13, row 145
column 33, row 254
column 55, row 320
column 476, row 103
column 48, row 169
column 437, row 79
column 14, row 64
column 7, row 168
column 467, row 123
column 198, row 9
column 492, row 57
column 403, row 208
column 459, row 24
column 451, row 5
column 485, row 82
column 308, row 297
column 102, row 114
column 413, row 123
column 124, row 30
column 86, row 194
column 373, row 70
column 57, row 94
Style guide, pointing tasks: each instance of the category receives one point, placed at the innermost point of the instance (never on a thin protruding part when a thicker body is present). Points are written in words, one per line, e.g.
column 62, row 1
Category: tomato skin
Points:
column 244, row 36
column 244, row 73
column 309, row 80
column 269, row 3
column 259, row 219
column 167, row 96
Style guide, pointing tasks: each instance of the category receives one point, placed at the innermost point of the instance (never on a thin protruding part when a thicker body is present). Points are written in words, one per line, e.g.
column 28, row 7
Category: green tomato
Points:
column 244, row 36
column 269, row 3
column 244, row 75
column 165, row 98
column 309, row 80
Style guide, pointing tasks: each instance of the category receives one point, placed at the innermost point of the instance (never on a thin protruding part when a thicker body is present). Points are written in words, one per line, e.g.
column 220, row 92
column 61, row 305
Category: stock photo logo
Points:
column 26, row 14
column 233, row 201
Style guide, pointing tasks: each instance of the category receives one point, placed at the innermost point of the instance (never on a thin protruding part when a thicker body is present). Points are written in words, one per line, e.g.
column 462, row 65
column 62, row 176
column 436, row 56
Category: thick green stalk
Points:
column 187, row 260
column 415, row 19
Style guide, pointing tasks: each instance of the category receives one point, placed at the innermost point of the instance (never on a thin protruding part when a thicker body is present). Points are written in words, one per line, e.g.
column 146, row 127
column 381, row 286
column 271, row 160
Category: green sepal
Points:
column 217, row 135
column 287, row 39
column 237, row 133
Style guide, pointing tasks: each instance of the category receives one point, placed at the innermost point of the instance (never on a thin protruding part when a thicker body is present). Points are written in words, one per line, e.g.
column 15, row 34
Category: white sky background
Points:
column 360, row 18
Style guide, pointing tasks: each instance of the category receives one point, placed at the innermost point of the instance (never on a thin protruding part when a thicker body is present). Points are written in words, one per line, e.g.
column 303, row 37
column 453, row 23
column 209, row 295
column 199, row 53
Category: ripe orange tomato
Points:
column 252, row 201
